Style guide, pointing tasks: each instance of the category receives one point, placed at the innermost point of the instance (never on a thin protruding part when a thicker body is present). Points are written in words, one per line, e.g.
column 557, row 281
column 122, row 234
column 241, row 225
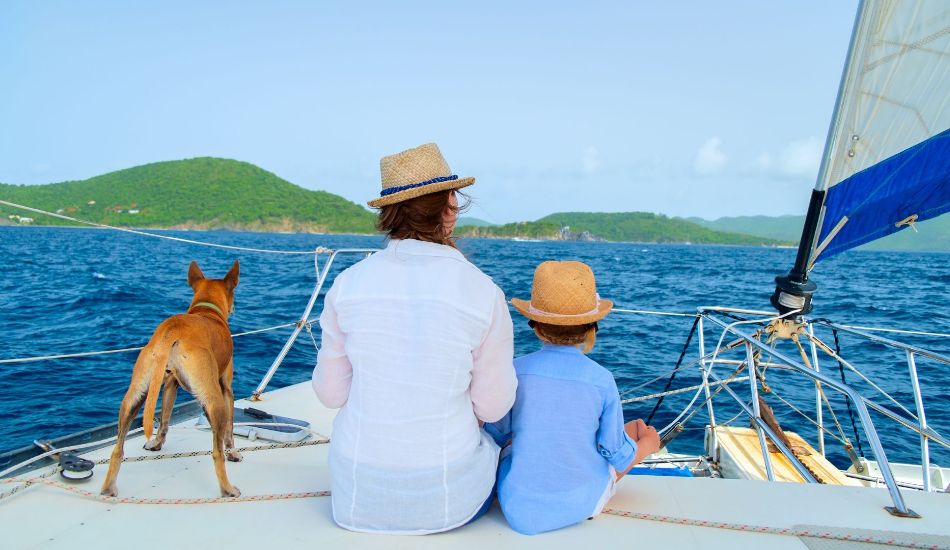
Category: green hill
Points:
column 931, row 235
column 477, row 222
column 619, row 226
column 200, row 193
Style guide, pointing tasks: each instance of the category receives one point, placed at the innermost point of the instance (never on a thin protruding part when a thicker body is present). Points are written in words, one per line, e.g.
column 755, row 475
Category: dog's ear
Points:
column 194, row 274
column 233, row 275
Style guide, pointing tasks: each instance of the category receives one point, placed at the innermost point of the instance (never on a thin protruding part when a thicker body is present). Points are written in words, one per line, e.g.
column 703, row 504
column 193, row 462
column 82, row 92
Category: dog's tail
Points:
column 159, row 367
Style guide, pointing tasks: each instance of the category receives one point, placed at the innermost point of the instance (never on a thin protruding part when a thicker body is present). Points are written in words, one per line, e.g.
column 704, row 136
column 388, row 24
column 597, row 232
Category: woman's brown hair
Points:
column 420, row 218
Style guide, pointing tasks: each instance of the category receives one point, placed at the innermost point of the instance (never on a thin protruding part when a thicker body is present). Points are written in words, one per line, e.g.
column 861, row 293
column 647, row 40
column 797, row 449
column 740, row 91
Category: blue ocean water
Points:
column 68, row 290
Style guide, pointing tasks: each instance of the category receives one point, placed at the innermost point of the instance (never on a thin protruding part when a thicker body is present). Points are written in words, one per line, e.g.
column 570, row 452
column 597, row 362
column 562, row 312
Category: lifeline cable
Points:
column 854, row 426
column 675, row 370
column 316, row 251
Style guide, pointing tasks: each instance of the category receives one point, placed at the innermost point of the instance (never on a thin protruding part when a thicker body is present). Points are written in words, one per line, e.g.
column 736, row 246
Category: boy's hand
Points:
column 637, row 428
column 648, row 439
column 648, row 442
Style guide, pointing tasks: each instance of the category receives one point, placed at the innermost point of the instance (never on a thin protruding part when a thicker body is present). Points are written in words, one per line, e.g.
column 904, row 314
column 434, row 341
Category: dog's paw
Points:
column 154, row 444
column 232, row 492
column 109, row 491
column 232, row 455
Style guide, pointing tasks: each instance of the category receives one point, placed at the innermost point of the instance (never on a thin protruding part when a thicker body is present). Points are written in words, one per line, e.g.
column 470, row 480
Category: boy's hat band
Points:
column 564, row 293
column 415, row 172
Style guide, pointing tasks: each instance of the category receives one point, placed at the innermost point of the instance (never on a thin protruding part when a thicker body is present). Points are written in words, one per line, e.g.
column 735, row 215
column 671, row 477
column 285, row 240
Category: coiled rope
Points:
column 317, row 250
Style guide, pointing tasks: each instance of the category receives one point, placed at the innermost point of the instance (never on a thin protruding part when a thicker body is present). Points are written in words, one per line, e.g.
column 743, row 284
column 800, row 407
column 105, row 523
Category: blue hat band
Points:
column 391, row 190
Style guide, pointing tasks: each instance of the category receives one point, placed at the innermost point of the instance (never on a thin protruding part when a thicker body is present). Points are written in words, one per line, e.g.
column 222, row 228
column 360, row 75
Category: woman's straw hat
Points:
column 415, row 172
column 564, row 293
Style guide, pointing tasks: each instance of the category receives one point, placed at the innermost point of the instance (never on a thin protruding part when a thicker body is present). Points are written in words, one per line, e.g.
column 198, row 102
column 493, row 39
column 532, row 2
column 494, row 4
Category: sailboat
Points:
column 886, row 166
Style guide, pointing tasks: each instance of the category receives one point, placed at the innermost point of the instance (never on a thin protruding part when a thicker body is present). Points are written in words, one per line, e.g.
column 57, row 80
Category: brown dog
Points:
column 191, row 350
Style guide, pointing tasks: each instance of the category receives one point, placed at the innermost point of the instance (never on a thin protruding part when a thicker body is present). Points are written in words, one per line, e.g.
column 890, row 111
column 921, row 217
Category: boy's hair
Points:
column 566, row 335
column 420, row 217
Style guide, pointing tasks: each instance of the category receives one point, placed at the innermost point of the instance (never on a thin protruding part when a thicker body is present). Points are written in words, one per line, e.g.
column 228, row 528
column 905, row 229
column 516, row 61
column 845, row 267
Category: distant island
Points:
column 215, row 193
column 200, row 193
column 616, row 226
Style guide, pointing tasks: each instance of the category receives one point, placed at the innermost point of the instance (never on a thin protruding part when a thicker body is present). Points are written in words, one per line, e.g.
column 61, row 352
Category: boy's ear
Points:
column 233, row 275
column 194, row 274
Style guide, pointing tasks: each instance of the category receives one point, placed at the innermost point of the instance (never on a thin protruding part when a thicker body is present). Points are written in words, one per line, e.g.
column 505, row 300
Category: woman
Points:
column 417, row 353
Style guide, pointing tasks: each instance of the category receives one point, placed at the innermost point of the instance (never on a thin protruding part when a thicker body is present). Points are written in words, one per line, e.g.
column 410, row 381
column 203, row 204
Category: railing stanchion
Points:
column 922, row 420
column 321, row 279
column 702, row 364
column 712, row 446
column 818, row 407
column 754, row 391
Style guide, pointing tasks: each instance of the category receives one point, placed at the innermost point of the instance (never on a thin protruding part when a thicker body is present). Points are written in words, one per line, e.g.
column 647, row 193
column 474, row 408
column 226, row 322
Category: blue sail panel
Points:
column 914, row 181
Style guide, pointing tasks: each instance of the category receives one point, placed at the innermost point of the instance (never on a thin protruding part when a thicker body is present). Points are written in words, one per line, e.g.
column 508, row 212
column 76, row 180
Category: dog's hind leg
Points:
column 169, row 392
column 218, row 418
column 131, row 403
column 226, row 379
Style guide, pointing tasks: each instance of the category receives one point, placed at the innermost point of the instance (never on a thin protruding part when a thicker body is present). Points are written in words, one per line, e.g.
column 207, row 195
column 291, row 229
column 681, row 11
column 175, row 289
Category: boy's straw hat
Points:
column 415, row 172
column 563, row 293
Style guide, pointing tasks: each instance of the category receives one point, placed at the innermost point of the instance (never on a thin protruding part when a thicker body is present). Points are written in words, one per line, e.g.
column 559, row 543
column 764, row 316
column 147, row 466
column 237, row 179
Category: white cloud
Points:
column 763, row 162
column 591, row 159
column 710, row 159
column 801, row 158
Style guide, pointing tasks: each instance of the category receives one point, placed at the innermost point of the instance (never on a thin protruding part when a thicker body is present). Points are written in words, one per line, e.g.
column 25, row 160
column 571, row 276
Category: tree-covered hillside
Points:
column 619, row 226
column 201, row 193
column 931, row 235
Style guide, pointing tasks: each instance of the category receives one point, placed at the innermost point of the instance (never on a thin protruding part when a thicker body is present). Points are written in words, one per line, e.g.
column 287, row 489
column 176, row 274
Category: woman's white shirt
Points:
column 417, row 347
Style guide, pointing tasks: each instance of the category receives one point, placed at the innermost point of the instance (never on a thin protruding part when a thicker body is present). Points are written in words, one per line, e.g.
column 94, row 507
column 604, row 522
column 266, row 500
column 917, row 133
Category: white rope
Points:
column 317, row 435
column 680, row 390
column 318, row 250
column 649, row 312
column 123, row 350
column 16, row 467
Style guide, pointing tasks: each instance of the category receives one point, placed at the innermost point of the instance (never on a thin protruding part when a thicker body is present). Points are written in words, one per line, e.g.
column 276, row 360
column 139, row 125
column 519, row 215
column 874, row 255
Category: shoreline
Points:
column 462, row 238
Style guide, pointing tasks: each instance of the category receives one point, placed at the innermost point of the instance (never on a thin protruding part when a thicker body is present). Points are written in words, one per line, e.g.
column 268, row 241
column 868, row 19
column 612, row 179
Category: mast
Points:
column 794, row 290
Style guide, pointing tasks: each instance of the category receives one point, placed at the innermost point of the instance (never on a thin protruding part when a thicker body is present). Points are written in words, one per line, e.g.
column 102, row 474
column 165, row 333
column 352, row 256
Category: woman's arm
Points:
column 494, row 382
column 333, row 373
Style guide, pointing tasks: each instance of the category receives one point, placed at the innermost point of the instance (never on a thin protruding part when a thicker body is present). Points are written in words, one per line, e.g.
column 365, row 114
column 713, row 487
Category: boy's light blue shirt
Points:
column 565, row 428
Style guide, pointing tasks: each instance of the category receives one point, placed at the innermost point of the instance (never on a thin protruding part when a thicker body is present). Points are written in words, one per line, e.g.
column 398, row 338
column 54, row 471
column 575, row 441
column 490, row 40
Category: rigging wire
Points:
column 821, row 390
column 824, row 347
column 316, row 251
column 843, row 440
column 123, row 350
column 679, row 361
column 854, row 426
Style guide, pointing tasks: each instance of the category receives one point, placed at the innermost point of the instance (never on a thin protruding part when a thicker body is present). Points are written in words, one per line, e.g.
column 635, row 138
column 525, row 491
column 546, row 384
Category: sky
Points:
column 685, row 108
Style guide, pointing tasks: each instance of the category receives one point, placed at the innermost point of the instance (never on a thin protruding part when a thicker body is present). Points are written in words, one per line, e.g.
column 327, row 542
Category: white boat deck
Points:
column 43, row 516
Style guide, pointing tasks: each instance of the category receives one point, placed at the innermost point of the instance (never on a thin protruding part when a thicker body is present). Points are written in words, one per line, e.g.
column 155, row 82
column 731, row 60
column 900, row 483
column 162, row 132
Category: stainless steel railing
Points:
column 305, row 317
column 861, row 404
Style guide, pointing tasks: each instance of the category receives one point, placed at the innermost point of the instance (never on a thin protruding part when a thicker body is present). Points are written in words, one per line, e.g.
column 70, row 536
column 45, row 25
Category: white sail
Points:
column 896, row 92
column 886, row 158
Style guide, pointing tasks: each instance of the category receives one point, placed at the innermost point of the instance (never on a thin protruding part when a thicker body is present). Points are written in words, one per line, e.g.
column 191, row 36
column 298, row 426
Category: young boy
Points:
column 568, row 442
